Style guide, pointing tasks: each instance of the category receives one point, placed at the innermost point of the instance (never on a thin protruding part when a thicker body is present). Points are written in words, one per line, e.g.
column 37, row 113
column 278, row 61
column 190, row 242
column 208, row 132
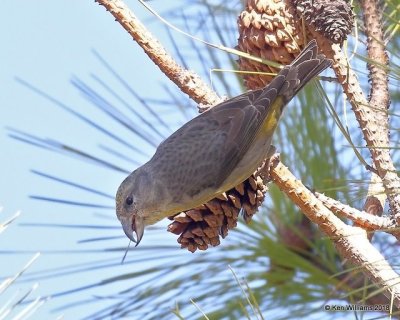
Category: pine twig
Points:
column 375, row 137
column 361, row 218
column 351, row 242
column 188, row 81
column 379, row 93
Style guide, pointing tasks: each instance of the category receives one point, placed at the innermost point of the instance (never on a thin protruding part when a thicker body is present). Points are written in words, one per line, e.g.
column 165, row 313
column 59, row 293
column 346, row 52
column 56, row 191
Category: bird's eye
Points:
column 129, row 201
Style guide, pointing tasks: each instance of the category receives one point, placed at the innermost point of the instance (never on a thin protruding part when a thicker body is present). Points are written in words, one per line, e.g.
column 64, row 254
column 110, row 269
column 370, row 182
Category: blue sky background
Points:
column 47, row 43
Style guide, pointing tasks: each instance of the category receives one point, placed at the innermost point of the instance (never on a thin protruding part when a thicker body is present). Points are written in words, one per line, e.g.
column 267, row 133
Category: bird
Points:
column 214, row 151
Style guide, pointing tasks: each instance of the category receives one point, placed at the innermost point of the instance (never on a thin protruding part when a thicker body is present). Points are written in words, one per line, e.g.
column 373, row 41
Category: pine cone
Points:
column 202, row 227
column 272, row 30
column 333, row 19
column 268, row 29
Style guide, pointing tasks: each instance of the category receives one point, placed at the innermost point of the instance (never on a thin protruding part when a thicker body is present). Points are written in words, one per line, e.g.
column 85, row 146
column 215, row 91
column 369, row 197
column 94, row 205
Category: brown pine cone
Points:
column 268, row 29
column 334, row 19
column 202, row 227
column 273, row 30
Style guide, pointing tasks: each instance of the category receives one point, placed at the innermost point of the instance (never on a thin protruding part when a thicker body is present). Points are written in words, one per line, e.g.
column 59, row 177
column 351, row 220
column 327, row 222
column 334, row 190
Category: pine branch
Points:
column 379, row 94
column 351, row 242
column 361, row 218
column 376, row 138
column 188, row 81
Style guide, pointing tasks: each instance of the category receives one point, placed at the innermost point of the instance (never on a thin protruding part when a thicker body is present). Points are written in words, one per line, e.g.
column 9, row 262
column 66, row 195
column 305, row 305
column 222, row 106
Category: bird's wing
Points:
column 203, row 152
column 242, row 130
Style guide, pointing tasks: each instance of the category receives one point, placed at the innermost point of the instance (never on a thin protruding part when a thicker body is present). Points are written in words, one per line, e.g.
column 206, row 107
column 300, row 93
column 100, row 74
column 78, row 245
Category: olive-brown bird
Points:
column 213, row 152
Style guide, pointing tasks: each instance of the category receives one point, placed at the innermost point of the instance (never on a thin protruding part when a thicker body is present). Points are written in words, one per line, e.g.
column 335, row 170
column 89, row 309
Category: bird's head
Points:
column 131, row 199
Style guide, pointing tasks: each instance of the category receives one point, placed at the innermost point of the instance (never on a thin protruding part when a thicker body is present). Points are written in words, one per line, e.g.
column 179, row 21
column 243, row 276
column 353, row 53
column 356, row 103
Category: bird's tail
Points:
column 307, row 65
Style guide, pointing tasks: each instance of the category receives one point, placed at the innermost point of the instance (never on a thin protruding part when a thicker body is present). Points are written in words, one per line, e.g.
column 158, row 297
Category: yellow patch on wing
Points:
column 271, row 120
